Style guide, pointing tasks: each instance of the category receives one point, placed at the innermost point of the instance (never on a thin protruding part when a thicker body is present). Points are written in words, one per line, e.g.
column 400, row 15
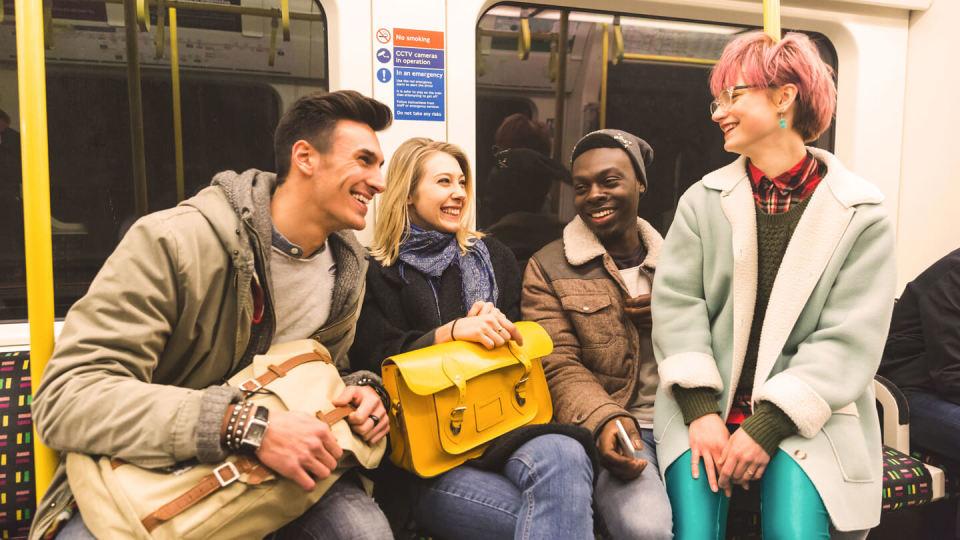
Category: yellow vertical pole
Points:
column 605, row 43
column 561, row 96
column 31, row 81
column 771, row 19
column 177, row 124
column 135, row 99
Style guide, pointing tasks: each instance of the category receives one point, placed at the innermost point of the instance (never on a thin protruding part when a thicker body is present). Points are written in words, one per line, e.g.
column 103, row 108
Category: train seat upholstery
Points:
column 910, row 480
column 17, row 499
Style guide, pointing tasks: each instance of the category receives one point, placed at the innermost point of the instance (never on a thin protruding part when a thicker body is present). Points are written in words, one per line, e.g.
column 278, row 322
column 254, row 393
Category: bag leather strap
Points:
column 274, row 372
column 454, row 373
column 227, row 473
column 520, row 389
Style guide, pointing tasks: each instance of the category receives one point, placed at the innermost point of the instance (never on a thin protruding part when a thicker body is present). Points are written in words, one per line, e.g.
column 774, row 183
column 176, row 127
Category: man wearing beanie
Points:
column 591, row 291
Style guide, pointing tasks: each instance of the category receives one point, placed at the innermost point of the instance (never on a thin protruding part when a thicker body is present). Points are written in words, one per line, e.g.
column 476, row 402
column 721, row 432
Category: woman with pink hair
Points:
column 770, row 307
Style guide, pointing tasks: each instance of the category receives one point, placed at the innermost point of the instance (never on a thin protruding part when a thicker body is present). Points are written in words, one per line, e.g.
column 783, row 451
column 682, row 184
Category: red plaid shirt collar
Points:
column 778, row 195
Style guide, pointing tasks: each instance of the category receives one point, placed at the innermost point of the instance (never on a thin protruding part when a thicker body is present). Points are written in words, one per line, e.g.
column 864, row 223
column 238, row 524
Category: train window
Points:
column 654, row 85
column 235, row 79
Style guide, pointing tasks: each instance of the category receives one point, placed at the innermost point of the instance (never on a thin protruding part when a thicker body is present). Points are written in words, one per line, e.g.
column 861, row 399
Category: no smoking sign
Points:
column 383, row 35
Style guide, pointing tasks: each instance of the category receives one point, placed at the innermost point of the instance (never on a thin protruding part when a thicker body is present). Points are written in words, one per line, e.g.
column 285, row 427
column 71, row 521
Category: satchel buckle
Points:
column 456, row 419
column 218, row 473
column 519, row 391
column 256, row 385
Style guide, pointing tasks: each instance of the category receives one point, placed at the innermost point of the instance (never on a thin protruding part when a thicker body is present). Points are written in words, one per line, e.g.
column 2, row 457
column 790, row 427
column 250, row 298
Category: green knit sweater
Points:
column 768, row 425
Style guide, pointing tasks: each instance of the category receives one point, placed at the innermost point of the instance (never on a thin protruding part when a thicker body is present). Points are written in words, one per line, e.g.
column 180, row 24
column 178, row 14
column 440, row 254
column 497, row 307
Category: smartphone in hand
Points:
column 625, row 443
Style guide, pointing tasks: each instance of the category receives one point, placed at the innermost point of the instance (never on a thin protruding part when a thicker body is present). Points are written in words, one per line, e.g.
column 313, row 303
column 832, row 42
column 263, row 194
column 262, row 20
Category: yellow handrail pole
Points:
column 187, row 5
column 671, row 59
column 771, row 19
column 177, row 124
column 31, row 80
column 618, row 45
column 605, row 44
column 524, row 39
column 561, row 96
column 285, row 17
column 136, row 105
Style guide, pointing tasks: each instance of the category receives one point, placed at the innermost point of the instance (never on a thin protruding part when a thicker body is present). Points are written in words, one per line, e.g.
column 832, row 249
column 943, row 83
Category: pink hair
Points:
column 759, row 61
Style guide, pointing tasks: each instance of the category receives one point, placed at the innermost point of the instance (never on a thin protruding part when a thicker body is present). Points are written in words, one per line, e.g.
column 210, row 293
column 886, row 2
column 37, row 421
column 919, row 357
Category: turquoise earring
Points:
column 783, row 122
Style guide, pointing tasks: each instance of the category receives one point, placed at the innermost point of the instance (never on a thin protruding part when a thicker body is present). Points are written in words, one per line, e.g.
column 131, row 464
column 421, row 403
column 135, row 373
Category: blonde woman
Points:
column 431, row 280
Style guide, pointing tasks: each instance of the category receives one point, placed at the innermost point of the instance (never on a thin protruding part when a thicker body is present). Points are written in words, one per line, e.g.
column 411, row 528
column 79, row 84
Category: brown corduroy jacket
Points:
column 601, row 364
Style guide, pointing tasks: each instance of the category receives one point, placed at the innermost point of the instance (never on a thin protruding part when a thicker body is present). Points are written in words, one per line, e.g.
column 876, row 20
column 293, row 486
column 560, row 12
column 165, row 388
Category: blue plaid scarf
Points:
column 432, row 252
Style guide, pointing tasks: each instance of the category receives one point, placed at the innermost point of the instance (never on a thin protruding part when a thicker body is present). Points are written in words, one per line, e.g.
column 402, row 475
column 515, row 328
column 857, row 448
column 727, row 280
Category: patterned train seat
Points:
column 17, row 500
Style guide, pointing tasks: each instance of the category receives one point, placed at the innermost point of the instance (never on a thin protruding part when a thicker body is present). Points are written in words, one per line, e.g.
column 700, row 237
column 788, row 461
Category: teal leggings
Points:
column 790, row 507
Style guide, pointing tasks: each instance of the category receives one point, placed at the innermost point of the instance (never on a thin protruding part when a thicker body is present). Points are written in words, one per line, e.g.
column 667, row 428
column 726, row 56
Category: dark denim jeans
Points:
column 934, row 424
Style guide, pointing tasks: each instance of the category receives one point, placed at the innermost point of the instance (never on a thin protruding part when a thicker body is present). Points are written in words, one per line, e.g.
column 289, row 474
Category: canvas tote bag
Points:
column 238, row 498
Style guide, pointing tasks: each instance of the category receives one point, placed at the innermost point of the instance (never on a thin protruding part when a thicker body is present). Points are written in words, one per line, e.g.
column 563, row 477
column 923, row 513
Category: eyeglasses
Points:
column 726, row 97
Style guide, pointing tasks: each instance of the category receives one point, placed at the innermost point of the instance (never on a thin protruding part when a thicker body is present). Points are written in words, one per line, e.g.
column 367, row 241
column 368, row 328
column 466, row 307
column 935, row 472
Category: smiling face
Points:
column 749, row 122
column 606, row 195
column 347, row 176
column 440, row 196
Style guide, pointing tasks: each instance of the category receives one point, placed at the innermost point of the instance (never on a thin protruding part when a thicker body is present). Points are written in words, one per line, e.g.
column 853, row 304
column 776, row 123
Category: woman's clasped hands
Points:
column 483, row 324
column 728, row 459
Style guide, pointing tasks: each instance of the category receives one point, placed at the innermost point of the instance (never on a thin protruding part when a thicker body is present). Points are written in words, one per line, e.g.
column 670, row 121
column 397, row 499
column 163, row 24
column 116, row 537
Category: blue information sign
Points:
column 418, row 93
column 383, row 75
column 383, row 55
column 415, row 57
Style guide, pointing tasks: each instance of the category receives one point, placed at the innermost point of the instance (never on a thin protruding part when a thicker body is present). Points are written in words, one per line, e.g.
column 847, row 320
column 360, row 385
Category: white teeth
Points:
column 451, row 211
column 728, row 127
column 602, row 213
column 363, row 200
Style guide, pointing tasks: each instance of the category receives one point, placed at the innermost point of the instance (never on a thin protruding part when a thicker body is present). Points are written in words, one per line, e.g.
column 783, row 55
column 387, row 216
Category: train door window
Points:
column 656, row 86
column 235, row 78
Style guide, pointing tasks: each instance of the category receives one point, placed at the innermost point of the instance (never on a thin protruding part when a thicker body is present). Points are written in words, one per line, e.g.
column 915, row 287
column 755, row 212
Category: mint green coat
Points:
column 822, row 337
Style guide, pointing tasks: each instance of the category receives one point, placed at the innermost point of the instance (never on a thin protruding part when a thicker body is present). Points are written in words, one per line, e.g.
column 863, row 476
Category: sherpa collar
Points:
column 581, row 246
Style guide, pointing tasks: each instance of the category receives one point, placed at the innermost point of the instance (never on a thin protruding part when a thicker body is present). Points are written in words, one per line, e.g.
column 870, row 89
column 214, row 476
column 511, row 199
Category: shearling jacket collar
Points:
column 846, row 187
column 581, row 246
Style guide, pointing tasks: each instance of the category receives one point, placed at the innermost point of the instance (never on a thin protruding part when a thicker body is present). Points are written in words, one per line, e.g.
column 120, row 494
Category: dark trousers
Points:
column 934, row 424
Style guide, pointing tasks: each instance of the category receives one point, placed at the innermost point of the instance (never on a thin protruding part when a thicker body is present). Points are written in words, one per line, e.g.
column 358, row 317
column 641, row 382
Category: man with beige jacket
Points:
column 192, row 293
column 591, row 291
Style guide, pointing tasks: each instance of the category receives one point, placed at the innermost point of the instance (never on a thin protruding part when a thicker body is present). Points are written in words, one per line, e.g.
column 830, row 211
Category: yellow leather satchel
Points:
column 449, row 401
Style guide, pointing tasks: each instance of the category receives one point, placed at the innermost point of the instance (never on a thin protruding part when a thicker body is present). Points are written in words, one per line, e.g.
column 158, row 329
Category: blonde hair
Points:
column 403, row 177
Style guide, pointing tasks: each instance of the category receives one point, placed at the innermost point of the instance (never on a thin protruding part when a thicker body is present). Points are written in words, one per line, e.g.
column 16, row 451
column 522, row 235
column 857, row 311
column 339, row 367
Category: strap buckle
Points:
column 256, row 385
column 218, row 473
column 520, row 391
column 456, row 419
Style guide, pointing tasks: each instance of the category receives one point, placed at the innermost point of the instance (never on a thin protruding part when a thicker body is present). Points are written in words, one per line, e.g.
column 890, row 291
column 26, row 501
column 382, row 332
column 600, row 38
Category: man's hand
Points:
column 743, row 461
column 638, row 309
column 616, row 459
column 369, row 420
column 298, row 446
column 708, row 437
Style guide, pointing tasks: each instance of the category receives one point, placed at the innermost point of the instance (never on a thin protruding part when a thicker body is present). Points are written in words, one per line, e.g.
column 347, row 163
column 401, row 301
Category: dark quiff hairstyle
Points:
column 314, row 116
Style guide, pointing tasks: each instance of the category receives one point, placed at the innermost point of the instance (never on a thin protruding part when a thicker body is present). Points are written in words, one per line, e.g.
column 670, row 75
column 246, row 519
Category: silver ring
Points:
column 375, row 418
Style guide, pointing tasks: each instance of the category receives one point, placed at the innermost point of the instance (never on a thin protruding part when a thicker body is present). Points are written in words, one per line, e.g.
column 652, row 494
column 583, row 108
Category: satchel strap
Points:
column 225, row 474
column 275, row 372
